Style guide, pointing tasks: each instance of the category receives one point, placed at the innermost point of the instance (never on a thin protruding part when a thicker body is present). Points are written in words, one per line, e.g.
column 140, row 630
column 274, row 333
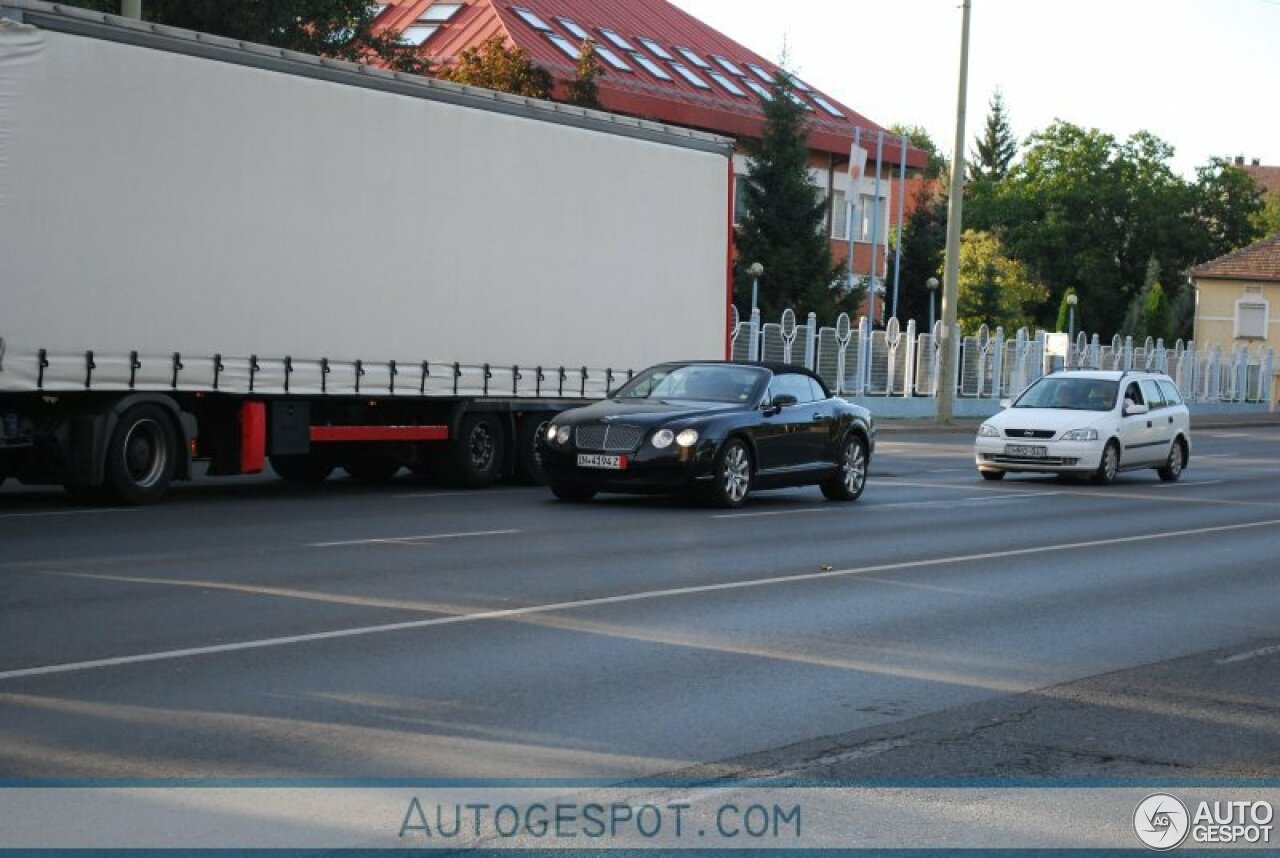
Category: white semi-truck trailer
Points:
column 223, row 252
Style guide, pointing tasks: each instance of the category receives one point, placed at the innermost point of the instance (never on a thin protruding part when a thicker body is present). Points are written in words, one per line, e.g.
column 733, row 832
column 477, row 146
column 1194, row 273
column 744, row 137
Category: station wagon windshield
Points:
column 1079, row 394
column 699, row 382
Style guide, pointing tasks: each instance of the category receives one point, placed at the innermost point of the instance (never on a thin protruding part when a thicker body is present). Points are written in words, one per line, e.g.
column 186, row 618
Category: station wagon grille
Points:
column 615, row 438
column 1029, row 433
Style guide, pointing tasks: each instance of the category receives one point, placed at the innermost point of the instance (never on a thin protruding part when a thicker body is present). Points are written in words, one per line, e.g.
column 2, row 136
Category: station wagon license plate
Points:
column 1026, row 452
column 610, row 463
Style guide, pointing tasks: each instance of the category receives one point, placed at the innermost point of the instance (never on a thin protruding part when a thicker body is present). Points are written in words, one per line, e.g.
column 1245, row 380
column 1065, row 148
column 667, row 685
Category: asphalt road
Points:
column 250, row 629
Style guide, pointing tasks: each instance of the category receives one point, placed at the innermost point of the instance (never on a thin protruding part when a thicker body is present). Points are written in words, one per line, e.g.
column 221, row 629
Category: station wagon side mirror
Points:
column 1135, row 408
column 779, row 402
column 1006, row 403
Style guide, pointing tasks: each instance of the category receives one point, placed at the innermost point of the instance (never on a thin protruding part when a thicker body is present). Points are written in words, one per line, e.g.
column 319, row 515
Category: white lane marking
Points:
column 62, row 512
column 1245, row 656
column 624, row 598
column 411, row 539
column 955, row 502
column 774, row 512
column 462, row 494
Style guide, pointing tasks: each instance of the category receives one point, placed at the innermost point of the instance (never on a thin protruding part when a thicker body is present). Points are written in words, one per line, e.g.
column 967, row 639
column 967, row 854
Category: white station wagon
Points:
column 1088, row 422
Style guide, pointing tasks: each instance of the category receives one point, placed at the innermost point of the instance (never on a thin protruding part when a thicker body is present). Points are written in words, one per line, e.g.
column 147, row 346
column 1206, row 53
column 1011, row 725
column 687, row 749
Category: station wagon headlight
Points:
column 662, row 438
column 687, row 438
column 986, row 430
column 1080, row 435
column 562, row 434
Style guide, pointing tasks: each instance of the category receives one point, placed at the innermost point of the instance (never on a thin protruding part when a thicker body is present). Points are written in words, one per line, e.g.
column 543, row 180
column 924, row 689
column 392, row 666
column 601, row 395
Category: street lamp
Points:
column 932, row 285
column 756, row 271
column 1071, row 325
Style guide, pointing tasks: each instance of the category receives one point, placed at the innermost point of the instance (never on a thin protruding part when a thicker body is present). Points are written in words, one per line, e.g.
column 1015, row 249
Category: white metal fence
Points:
column 990, row 364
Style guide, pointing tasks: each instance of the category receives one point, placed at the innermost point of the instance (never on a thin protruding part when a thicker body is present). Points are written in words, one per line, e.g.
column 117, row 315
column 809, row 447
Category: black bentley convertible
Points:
column 720, row 428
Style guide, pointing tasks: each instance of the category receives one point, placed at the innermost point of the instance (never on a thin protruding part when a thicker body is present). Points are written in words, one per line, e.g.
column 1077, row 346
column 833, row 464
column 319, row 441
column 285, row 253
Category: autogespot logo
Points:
column 1161, row 821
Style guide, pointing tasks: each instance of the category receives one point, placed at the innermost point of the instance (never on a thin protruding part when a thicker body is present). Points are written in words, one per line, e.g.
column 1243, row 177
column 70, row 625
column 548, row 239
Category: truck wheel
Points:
column 304, row 470
column 141, row 456
column 372, row 468
column 528, row 461
column 474, row 458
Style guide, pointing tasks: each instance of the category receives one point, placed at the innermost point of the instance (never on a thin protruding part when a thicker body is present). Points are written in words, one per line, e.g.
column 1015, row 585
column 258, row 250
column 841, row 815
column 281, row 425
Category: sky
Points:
column 1203, row 75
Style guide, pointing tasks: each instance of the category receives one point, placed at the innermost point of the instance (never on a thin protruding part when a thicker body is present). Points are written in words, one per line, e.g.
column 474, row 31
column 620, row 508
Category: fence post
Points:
column 811, row 343
column 864, row 355
column 909, row 367
column 1128, row 352
column 1264, row 381
column 753, row 350
column 1095, row 353
column 1018, row 379
column 997, row 363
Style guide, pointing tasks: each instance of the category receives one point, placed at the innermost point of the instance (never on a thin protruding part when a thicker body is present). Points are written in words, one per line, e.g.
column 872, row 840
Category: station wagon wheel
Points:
column 1109, row 466
column 731, row 482
column 847, row 484
column 1176, row 462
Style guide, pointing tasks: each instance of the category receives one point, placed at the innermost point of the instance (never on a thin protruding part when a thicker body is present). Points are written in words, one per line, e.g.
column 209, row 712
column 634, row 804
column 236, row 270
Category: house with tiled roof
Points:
column 1234, row 297
column 661, row 63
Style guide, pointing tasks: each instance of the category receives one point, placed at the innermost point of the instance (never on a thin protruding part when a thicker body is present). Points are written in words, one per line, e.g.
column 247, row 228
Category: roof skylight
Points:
column 688, row 74
column 438, row 13
column 727, row 65
column 726, row 83
column 694, row 58
column 761, row 73
column 827, row 106
column 757, row 88
column 570, row 49
column 531, row 19
column 416, row 34
column 616, row 39
column 656, row 49
column 612, row 59
column 573, row 28
column 798, row 100
column 652, row 67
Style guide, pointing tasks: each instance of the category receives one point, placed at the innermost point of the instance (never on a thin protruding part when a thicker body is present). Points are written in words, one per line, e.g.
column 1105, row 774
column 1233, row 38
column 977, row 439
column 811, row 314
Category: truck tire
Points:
column 474, row 458
column 528, row 462
column 303, row 470
column 142, row 456
column 372, row 468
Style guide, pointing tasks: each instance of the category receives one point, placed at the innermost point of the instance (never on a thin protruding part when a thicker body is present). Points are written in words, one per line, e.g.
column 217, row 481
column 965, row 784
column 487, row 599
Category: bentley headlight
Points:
column 687, row 438
column 1080, row 435
column 562, row 434
column 551, row 432
column 662, row 438
column 986, row 430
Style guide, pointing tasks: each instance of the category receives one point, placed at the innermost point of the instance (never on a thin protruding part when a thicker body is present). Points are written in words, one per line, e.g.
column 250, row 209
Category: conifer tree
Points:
column 784, row 225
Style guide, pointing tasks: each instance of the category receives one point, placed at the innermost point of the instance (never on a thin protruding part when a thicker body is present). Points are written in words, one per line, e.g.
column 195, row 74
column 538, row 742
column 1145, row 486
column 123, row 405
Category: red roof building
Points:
column 662, row 64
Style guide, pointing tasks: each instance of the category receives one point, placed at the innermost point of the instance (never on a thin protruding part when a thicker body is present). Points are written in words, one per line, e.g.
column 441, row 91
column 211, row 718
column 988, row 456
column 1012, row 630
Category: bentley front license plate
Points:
column 1028, row 452
column 612, row 463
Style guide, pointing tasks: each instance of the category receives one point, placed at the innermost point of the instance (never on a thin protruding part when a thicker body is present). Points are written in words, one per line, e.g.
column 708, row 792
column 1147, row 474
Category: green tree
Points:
column 996, row 148
column 1156, row 314
column 342, row 29
column 584, row 90
column 919, row 138
column 496, row 65
column 1064, row 312
column 1266, row 221
column 1143, row 309
column 783, row 226
column 994, row 289
column 924, row 241
column 1226, row 209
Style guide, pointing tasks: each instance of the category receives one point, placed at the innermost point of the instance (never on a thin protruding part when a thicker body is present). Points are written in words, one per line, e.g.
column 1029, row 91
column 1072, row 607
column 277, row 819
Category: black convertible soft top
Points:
column 773, row 366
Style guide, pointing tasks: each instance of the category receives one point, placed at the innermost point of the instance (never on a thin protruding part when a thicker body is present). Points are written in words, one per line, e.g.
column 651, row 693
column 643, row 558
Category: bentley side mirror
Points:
column 1006, row 403
column 779, row 402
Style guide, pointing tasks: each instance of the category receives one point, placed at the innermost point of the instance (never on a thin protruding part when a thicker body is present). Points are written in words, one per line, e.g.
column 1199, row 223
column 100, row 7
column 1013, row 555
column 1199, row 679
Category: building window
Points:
column 612, row 59
column 727, row 65
column 727, row 84
column 839, row 216
column 758, row 89
column 827, row 106
column 416, row 34
column 867, row 213
column 572, row 26
column 694, row 58
column 439, row 13
column 688, row 74
column 616, row 39
column 531, row 19
column 1251, row 319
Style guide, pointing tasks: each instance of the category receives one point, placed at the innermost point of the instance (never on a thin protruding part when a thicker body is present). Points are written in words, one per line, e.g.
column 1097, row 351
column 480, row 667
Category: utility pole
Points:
column 951, row 274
